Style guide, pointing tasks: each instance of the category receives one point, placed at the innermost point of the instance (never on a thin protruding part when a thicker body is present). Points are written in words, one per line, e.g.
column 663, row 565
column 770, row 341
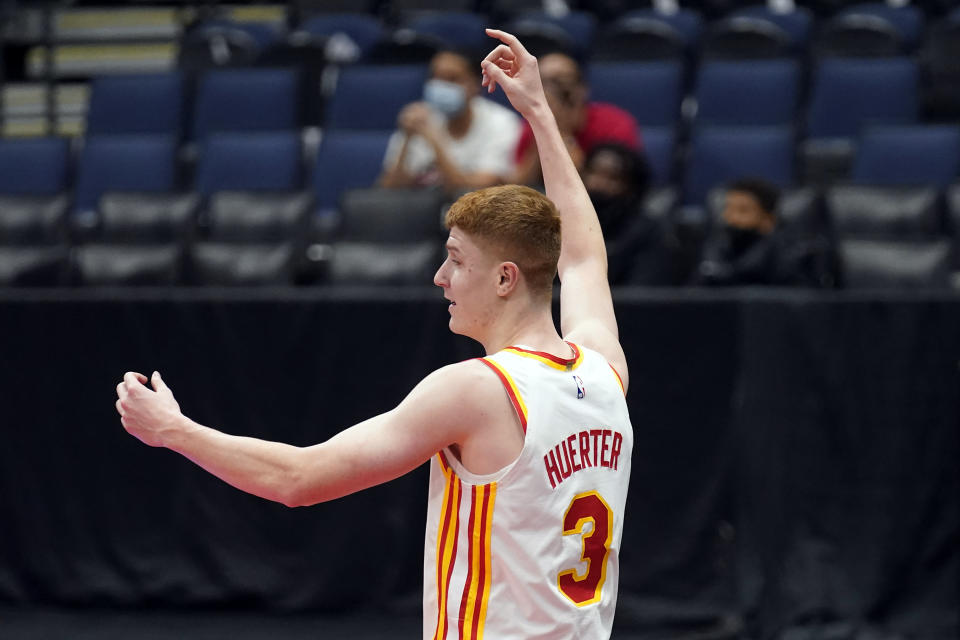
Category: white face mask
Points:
column 447, row 98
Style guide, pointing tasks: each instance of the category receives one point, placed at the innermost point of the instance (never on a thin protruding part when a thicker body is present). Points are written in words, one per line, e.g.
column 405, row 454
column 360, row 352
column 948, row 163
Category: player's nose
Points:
column 439, row 278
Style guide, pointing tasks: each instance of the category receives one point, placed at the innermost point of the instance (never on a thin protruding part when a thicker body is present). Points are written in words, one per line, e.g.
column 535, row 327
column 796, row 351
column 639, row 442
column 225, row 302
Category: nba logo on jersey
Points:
column 580, row 390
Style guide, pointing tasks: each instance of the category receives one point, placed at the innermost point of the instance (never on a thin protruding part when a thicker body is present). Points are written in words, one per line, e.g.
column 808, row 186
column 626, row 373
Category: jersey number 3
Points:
column 585, row 589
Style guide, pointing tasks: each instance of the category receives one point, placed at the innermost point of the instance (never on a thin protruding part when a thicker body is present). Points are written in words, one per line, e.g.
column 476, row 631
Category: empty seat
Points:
column 742, row 37
column 127, row 265
column 649, row 91
column 659, row 144
column 858, row 35
column 35, row 266
column 146, row 218
column 387, row 236
column 347, row 160
column 370, row 97
column 246, row 100
column 462, row 30
column 124, row 163
column 404, row 47
column 872, row 264
column 243, row 216
column 136, row 104
column 32, row 220
column 797, row 23
column 220, row 43
column 721, row 154
column 748, row 92
column 908, row 155
column 688, row 23
column 250, row 162
column 885, row 212
column 849, row 93
column 33, row 166
column 638, row 39
column 362, row 30
column 907, row 20
column 230, row 264
column 578, row 26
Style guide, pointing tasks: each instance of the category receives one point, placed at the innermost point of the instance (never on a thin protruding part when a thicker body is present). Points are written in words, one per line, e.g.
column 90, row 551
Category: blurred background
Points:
column 249, row 198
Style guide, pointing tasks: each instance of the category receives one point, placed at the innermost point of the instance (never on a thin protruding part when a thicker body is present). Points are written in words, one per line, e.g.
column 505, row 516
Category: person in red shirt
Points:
column 582, row 123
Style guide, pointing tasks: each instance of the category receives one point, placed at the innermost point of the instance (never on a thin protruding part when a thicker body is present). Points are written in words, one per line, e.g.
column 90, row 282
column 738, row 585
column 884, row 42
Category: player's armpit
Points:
column 440, row 411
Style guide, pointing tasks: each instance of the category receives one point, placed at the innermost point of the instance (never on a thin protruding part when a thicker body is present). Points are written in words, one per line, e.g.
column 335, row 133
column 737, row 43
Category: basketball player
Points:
column 529, row 447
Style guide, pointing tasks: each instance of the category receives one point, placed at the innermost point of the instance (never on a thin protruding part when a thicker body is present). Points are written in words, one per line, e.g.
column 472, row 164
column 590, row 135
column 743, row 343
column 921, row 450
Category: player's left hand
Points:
column 148, row 414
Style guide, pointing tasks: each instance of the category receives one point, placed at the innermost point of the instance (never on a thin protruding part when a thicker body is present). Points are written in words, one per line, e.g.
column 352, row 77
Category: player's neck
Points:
column 530, row 327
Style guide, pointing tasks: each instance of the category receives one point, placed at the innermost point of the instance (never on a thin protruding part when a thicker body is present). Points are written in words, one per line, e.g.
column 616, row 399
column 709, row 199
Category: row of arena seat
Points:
column 840, row 97
column 860, row 29
column 881, row 236
column 279, row 160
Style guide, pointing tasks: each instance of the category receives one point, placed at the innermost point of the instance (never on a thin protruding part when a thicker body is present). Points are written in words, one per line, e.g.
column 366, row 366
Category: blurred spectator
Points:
column 617, row 179
column 584, row 124
column 749, row 248
column 453, row 137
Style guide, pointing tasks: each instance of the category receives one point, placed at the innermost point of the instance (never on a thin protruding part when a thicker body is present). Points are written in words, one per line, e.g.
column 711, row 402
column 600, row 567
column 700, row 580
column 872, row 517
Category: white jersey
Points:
column 532, row 551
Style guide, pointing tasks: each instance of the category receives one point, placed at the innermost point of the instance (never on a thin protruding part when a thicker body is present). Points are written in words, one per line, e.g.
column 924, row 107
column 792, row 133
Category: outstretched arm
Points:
column 586, row 306
column 372, row 452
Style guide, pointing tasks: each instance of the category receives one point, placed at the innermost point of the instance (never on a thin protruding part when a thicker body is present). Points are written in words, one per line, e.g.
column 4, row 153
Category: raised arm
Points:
column 586, row 306
column 372, row 452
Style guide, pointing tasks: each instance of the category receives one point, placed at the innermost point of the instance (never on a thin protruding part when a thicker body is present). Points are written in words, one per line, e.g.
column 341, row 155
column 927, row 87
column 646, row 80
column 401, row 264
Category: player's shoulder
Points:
column 469, row 382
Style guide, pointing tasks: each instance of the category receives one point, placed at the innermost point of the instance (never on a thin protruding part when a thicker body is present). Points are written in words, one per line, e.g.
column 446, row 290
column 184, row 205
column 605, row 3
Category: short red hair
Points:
column 520, row 224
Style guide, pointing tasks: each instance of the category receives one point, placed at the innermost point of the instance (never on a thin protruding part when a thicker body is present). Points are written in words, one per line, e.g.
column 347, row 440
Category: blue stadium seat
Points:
column 250, row 161
column 221, row 43
column 35, row 166
column 370, row 97
column 908, row 20
column 721, row 154
column 136, row 104
column 347, row 160
column 748, row 92
column 908, row 155
column 849, row 93
column 246, row 100
column 364, row 30
column 453, row 29
column 796, row 23
column 124, row 163
column 658, row 146
column 580, row 26
column 687, row 22
column 650, row 91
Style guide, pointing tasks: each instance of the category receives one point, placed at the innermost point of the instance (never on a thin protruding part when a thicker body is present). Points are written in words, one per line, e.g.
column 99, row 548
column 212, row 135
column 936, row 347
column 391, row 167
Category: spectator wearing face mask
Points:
column 749, row 248
column 584, row 124
column 453, row 138
column 617, row 179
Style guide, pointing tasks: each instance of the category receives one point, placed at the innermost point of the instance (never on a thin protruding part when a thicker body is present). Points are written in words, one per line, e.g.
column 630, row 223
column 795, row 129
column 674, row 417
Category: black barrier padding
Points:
column 795, row 461
column 849, row 420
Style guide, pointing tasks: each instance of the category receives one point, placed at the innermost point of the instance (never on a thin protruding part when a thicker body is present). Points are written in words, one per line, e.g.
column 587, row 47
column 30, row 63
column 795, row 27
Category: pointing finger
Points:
column 508, row 39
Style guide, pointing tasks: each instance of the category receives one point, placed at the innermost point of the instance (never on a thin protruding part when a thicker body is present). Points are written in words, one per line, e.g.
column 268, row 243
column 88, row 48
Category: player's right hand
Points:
column 515, row 70
column 147, row 414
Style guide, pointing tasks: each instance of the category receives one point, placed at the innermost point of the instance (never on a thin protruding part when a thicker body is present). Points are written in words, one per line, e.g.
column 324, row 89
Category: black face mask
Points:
column 740, row 240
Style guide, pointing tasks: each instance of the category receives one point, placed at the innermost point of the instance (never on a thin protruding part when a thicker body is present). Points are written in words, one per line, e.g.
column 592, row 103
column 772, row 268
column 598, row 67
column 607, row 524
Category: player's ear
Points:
column 509, row 277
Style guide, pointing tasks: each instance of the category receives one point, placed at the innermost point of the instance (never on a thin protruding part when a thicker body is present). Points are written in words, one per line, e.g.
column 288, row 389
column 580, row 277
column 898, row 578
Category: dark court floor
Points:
column 98, row 624
column 46, row 624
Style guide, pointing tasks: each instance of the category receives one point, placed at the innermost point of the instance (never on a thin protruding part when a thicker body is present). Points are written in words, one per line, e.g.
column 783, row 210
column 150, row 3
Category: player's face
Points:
column 469, row 279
